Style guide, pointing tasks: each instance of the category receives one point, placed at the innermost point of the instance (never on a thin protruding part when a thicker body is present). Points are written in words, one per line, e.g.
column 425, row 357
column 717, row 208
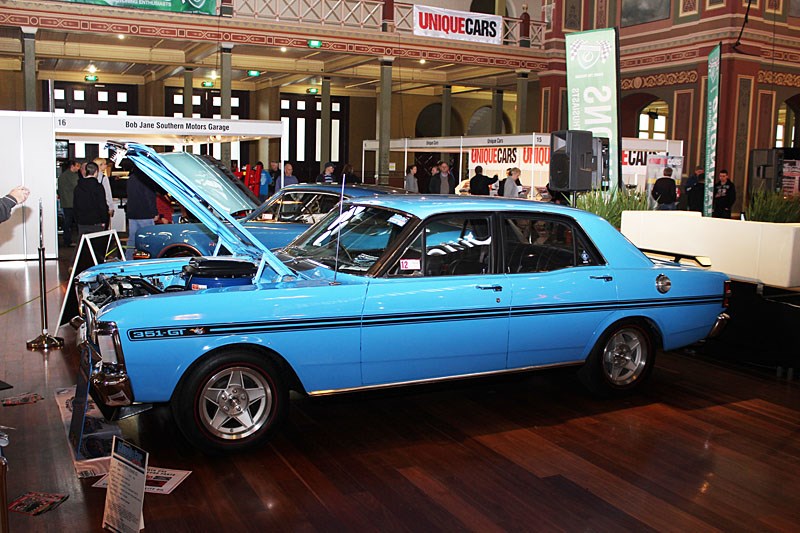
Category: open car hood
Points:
column 209, row 196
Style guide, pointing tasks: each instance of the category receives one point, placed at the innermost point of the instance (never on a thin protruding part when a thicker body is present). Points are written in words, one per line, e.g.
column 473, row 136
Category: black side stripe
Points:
column 173, row 332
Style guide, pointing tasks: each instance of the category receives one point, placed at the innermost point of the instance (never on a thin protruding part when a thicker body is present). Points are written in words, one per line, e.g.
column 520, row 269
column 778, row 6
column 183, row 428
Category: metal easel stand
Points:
column 45, row 341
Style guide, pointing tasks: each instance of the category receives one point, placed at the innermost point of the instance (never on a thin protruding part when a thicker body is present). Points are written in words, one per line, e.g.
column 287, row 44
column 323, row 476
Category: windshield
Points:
column 201, row 175
column 353, row 240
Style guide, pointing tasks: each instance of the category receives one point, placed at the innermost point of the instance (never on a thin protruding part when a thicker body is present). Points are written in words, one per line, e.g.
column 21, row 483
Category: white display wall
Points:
column 29, row 159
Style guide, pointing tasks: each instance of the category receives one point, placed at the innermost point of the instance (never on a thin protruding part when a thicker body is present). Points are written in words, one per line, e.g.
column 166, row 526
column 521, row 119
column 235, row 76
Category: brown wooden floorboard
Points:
column 703, row 448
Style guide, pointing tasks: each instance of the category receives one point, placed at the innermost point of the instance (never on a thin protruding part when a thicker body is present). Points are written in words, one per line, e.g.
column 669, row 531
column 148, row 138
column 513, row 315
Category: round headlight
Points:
column 663, row 284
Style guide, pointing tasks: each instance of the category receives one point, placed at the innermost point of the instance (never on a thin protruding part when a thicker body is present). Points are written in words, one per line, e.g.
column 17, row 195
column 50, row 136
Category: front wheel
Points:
column 621, row 361
column 230, row 402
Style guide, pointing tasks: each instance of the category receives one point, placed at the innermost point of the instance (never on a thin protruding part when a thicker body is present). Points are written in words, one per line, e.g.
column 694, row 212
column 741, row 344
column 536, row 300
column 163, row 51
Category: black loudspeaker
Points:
column 766, row 169
column 571, row 160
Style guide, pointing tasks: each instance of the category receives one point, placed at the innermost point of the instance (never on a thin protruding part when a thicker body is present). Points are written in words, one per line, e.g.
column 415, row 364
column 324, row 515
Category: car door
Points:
column 443, row 308
column 560, row 285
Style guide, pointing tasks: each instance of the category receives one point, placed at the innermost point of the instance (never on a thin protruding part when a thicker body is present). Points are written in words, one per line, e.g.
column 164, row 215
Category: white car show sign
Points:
column 459, row 25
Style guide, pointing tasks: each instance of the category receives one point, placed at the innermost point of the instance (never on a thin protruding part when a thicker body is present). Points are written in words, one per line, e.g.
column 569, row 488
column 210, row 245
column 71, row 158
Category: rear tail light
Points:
column 726, row 294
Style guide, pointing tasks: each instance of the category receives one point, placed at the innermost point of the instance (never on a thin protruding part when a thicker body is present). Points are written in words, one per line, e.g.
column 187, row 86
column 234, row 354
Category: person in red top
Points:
column 164, row 207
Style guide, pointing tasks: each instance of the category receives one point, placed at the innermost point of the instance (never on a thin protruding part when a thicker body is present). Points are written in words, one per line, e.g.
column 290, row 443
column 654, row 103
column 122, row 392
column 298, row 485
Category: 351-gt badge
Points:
column 162, row 333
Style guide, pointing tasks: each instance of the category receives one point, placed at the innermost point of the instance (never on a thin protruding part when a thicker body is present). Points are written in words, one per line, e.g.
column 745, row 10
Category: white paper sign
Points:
column 459, row 25
column 126, row 482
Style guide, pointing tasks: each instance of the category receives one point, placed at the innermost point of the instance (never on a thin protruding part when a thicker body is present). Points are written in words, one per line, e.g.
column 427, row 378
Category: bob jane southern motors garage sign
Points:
column 458, row 25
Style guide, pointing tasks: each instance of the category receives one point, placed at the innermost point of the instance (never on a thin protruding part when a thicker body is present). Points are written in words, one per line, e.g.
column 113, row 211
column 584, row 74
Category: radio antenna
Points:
column 339, row 231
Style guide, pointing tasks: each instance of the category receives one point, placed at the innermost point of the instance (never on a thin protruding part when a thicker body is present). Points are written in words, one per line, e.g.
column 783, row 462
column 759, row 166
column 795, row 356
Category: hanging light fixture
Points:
column 92, row 69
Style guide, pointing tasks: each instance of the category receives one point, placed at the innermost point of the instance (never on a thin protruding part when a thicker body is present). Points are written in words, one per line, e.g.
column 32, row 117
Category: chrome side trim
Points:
column 439, row 380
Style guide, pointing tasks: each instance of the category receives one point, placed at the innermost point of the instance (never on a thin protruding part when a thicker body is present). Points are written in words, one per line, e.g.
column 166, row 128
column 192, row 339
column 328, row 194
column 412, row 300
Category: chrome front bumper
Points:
column 110, row 382
column 719, row 325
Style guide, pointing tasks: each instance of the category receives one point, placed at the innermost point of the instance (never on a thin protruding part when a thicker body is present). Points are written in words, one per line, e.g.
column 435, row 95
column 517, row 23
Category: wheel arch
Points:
column 648, row 322
column 168, row 251
column 287, row 372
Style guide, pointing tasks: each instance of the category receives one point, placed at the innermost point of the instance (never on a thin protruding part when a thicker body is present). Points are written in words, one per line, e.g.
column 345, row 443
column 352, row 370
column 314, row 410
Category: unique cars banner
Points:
column 205, row 7
column 458, row 25
column 593, row 89
column 712, row 111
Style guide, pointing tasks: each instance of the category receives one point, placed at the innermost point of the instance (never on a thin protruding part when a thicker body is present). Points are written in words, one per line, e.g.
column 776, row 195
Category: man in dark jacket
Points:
column 443, row 182
column 67, row 182
column 89, row 202
column 664, row 191
column 724, row 196
column 141, row 208
column 479, row 184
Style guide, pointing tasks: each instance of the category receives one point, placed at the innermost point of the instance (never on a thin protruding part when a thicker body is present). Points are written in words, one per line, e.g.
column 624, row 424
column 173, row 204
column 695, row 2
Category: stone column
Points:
column 497, row 111
column 325, row 124
column 225, row 96
column 29, row 67
column 188, row 89
column 447, row 112
column 522, row 101
column 384, row 120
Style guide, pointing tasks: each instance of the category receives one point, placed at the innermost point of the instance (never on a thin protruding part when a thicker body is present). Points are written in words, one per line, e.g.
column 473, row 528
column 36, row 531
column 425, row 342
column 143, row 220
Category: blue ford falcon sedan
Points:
column 378, row 293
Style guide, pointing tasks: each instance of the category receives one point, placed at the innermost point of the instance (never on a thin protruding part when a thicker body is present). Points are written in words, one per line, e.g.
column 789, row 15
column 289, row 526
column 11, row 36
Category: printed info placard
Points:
column 126, row 482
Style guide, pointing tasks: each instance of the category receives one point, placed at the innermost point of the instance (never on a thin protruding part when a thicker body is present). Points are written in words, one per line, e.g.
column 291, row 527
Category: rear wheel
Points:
column 180, row 252
column 230, row 402
column 622, row 360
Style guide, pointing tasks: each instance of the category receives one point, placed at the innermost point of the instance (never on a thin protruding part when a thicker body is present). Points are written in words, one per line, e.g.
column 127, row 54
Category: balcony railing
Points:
column 364, row 15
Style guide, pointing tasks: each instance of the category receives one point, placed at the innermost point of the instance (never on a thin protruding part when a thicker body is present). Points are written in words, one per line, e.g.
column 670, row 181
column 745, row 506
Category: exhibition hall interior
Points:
column 485, row 265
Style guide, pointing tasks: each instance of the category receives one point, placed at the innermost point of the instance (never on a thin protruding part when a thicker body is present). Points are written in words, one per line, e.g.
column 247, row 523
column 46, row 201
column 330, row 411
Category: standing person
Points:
column 411, row 184
column 67, row 182
column 89, row 202
column 690, row 184
column 696, row 193
column 724, row 196
column 288, row 177
column 141, row 206
column 443, row 182
column 274, row 173
column 327, row 174
column 510, row 187
column 266, row 184
column 16, row 196
column 348, row 174
column 479, row 184
column 664, row 192
column 104, row 177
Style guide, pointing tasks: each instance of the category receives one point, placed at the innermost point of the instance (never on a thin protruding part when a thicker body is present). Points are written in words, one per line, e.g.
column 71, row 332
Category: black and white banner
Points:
column 458, row 25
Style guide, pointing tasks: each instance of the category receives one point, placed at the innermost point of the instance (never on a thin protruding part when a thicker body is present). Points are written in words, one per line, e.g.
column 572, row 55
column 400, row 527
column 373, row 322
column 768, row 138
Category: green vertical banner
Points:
column 593, row 90
column 712, row 116
column 204, row 7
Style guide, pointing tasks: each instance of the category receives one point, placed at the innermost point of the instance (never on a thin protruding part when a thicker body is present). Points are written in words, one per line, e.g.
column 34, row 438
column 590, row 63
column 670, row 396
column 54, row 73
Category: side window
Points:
column 325, row 202
column 540, row 243
column 452, row 246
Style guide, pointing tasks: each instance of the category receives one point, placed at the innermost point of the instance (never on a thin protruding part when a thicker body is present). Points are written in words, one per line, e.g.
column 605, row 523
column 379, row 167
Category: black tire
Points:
column 230, row 402
column 621, row 361
column 180, row 252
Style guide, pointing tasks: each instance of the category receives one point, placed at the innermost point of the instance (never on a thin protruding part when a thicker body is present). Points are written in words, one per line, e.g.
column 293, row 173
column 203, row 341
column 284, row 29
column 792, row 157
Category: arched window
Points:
column 653, row 121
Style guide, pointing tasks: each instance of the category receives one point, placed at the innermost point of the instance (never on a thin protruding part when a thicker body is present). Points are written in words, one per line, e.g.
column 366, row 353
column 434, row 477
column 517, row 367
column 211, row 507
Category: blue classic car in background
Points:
column 378, row 293
column 275, row 223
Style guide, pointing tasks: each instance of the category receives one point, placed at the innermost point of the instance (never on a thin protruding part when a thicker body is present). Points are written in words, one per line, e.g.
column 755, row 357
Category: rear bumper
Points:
column 719, row 325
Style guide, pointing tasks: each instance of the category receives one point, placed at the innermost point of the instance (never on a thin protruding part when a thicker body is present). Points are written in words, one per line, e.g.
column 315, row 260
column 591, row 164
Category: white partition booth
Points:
column 28, row 139
column 530, row 152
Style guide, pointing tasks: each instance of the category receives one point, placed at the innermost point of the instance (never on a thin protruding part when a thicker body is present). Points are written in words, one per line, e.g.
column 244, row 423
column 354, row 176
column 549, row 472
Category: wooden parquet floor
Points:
column 704, row 448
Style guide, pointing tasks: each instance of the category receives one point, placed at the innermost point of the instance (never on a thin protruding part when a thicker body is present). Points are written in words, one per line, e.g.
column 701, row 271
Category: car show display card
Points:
column 126, row 482
column 159, row 480
column 35, row 503
column 22, row 399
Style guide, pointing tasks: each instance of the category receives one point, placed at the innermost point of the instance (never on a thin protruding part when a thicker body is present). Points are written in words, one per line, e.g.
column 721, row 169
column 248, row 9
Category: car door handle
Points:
column 495, row 288
column 604, row 278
